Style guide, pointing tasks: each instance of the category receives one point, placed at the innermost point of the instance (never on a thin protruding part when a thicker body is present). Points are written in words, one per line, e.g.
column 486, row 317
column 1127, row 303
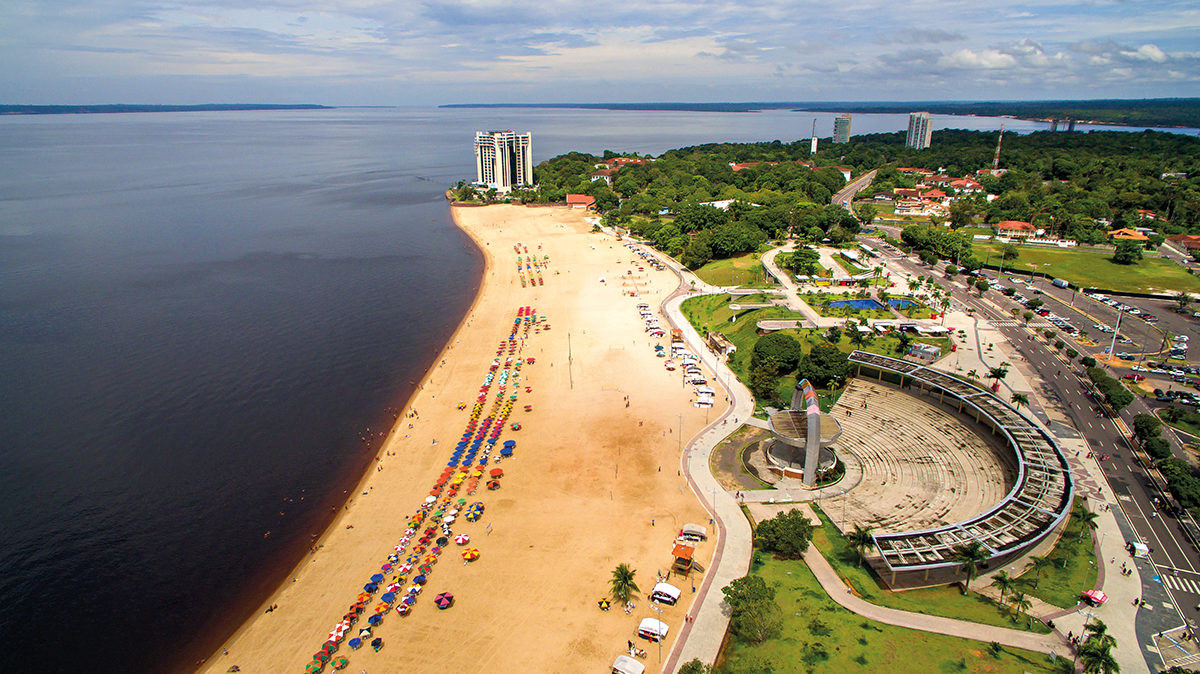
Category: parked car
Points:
column 1139, row 368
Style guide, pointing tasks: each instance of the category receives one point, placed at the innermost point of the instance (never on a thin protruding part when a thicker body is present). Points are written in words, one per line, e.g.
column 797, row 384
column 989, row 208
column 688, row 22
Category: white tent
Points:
column 665, row 593
column 705, row 391
column 693, row 532
column 653, row 629
column 627, row 665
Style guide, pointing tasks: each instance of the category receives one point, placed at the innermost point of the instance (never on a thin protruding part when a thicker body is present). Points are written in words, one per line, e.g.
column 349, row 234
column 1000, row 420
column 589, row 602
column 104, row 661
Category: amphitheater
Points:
column 935, row 463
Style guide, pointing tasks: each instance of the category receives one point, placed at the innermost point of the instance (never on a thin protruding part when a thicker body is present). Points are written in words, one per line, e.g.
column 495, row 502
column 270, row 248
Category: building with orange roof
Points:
column 1127, row 234
column 604, row 174
column 581, row 202
column 1015, row 229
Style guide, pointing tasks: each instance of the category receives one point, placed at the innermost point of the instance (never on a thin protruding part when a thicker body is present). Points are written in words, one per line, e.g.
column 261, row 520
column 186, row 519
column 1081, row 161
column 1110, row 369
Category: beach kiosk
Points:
column 693, row 532
column 683, row 559
column 652, row 629
column 665, row 593
column 627, row 665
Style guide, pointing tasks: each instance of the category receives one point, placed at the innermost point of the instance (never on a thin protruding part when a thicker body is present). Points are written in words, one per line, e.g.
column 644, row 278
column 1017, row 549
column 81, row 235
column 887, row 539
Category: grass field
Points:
column 943, row 601
column 1074, row 569
column 744, row 270
column 1093, row 269
column 820, row 637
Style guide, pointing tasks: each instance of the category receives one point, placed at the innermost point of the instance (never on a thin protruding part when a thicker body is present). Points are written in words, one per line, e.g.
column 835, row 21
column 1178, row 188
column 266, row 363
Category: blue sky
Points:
column 375, row 52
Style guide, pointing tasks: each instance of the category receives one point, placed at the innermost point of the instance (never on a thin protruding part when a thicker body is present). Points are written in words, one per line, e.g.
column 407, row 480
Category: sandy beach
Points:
column 590, row 485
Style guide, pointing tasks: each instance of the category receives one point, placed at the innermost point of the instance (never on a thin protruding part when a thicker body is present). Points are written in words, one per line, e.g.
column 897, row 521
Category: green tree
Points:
column 970, row 556
column 866, row 214
column 1010, row 252
column 903, row 341
column 1096, row 659
column 1088, row 520
column 982, row 286
column 1028, row 316
column 1146, row 426
column 1183, row 299
column 1158, row 448
column 694, row 667
column 861, row 539
column 622, row 585
column 1003, row 582
column 961, row 214
column 764, row 378
column 951, row 270
column 1088, row 362
column 1127, row 252
column 823, row 365
column 1020, row 399
column 1019, row 602
column 804, row 261
column 758, row 622
column 787, row 534
column 1097, row 634
column 996, row 374
column 780, row 346
column 833, row 334
column 1038, row 565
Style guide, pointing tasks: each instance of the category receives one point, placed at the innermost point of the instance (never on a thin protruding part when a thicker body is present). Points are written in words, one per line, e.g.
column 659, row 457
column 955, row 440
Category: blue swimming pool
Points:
column 902, row 304
column 857, row 304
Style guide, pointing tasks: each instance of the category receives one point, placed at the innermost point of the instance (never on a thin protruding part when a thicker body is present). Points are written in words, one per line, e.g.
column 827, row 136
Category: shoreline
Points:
column 363, row 479
column 598, row 328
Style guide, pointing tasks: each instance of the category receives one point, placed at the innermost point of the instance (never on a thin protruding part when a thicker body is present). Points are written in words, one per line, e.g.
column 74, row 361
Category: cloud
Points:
column 923, row 36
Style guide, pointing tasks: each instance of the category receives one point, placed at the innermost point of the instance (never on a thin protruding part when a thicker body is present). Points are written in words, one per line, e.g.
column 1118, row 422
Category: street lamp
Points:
column 655, row 607
column 680, row 432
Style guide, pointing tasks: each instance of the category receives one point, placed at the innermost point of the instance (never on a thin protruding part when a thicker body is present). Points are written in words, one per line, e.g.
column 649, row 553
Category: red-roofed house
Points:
column 934, row 194
column 1188, row 241
column 1147, row 215
column 604, row 174
column 1015, row 229
column 1127, row 234
column 966, row 185
column 742, row 166
column 906, row 193
column 581, row 201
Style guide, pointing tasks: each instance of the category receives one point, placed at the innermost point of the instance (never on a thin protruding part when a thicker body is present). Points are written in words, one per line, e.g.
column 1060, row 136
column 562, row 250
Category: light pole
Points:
column 680, row 432
column 658, row 609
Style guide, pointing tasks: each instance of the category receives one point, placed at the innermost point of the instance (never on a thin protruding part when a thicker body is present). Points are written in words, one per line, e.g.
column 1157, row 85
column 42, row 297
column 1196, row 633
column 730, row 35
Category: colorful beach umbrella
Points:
column 340, row 663
column 444, row 600
column 470, row 554
column 355, row 643
column 462, row 539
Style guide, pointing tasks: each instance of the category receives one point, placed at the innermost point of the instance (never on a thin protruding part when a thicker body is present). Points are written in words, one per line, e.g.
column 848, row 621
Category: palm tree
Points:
column 1087, row 520
column 1003, row 581
column 970, row 555
column 622, row 583
column 1098, row 660
column 1098, row 635
column 998, row 373
column 972, row 374
column 1019, row 399
column 1020, row 603
column 861, row 539
column 1038, row 564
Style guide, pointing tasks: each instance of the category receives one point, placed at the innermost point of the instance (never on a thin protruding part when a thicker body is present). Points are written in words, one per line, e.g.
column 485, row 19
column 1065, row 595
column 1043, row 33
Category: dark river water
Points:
column 200, row 314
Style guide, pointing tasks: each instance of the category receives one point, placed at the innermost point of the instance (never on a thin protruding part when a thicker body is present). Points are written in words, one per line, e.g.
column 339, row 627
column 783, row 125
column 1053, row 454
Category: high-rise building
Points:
column 841, row 129
column 920, row 131
column 503, row 159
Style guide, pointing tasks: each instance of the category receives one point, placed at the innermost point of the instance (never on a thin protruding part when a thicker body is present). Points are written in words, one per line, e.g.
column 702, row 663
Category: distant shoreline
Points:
column 1174, row 113
column 123, row 108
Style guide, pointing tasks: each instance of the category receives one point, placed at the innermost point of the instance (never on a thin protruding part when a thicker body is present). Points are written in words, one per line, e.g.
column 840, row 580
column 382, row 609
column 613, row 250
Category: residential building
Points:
column 920, row 131
column 841, row 129
column 604, row 174
column 1188, row 241
column 503, row 159
column 1015, row 229
column 1127, row 234
column 581, row 202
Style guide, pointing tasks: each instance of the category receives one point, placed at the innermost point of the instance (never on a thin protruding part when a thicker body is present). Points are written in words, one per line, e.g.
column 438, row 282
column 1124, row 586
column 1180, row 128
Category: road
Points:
column 846, row 195
column 1134, row 487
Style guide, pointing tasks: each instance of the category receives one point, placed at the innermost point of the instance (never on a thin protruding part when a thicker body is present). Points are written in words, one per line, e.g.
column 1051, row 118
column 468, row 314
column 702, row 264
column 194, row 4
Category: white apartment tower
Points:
column 503, row 159
column 920, row 132
column 841, row 129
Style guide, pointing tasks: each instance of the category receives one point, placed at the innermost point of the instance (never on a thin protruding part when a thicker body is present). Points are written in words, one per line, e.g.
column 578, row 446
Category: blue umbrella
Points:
column 370, row 587
column 507, row 451
column 419, row 580
column 510, row 443
column 355, row 643
column 461, row 444
column 452, row 464
column 377, row 578
column 491, row 441
column 375, row 619
column 483, row 461
column 387, row 597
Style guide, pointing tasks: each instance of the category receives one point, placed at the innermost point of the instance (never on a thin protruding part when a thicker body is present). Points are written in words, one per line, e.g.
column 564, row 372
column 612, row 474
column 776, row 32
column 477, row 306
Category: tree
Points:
column 1003, row 582
column 982, row 286
column 1088, row 362
column 804, row 261
column 764, row 378
column 1033, row 304
column 1097, row 634
column 1028, row 316
column 1072, row 354
column 866, row 214
column 752, row 609
column 1127, row 252
column 928, row 257
column 970, row 555
column 1019, row 602
column 694, row 667
column 1146, row 426
column 1183, row 299
column 951, row 270
column 903, row 341
column 782, row 347
column 861, row 539
column 1020, row 399
column 622, row 585
column 1087, row 520
column 998, row 373
column 960, row 214
column 1039, row 565
column 1098, row 659
column 1158, row 448
column 823, row 365
column 1010, row 252
column 833, row 334
column 787, row 534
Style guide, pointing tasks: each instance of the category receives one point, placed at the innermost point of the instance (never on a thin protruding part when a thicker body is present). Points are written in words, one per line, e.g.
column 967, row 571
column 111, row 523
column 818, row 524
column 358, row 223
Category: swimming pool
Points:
column 857, row 304
column 902, row 304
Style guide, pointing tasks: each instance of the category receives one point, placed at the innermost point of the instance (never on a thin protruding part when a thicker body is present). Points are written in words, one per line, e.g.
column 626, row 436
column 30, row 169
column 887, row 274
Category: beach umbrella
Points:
column 328, row 648
column 419, row 580
column 496, row 472
column 370, row 587
column 377, row 578
column 380, row 608
column 313, row 668
column 507, row 451
column 364, row 632
column 375, row 619
column 355, row 643
column 493, row 485
column 364, row 596
column 404, row 609
column 377, row 643
column 385, row 568
column 321, row 657
column 340, row 663
column 462, row 539
column 470, row 554
column 442, row 541
column 430, row 559
column 430, row 499
column 387, row 598
column 604, row 604
column 449, row 519
column 425, row 569
column 444, row 600
column 413, row 589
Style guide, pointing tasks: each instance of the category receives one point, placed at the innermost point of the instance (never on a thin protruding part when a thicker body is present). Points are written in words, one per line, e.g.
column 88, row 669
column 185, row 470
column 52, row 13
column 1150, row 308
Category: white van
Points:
column 642, row 306
column 665, row 593
column 697, row 380
column 627, row 665
column 693, row 532
column 705, row 391
column 652, row 629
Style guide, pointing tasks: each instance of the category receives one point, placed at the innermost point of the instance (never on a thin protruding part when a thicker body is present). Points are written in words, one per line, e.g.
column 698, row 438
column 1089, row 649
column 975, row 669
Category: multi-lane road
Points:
column 1173, row 554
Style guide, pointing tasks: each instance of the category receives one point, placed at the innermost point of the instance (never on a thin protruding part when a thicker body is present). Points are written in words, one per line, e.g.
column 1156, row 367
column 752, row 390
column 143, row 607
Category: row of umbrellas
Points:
column 439, row 504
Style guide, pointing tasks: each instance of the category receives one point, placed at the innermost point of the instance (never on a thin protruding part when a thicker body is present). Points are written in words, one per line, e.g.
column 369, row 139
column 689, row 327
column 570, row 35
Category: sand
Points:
column 579, row 497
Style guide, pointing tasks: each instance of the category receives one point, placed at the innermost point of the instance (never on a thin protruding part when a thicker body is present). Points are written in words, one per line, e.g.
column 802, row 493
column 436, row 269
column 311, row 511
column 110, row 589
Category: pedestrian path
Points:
column 1181, row 584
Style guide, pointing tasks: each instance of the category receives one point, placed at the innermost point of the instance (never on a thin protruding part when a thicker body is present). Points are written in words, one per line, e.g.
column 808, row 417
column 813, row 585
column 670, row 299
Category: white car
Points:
column 1158, row 370
column 1139, row 368
column 1180, row 338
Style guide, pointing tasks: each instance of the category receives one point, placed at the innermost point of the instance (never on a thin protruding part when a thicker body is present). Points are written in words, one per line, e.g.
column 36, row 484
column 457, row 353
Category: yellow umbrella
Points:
column 470, row 554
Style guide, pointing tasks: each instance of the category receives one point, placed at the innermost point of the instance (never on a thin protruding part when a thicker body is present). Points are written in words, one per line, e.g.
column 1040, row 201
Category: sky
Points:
column 375, row 52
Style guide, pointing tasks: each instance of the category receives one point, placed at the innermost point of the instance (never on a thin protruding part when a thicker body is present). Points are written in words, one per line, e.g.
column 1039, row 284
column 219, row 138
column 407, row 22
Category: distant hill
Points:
column 121, row 107
column 1162, row 112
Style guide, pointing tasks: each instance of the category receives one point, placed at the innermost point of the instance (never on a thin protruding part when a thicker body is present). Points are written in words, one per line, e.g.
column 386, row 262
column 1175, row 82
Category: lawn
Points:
column 943, row 601
column 1071, row 574
column 818, row 637
column 1181, row 425
column 820, row 302
column 1096, row 269
column 744, row 270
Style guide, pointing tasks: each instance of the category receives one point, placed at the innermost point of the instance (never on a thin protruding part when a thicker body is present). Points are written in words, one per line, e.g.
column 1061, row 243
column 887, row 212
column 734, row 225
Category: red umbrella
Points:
column 497, row 472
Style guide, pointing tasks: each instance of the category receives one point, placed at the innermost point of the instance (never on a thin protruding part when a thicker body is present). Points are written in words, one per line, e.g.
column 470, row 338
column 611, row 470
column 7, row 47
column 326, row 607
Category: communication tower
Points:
column 996, row 159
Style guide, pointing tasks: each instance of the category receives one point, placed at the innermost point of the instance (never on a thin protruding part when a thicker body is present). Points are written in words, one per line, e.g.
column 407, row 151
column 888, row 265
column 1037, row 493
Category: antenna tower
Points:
column 996, row 159
column 813, row 150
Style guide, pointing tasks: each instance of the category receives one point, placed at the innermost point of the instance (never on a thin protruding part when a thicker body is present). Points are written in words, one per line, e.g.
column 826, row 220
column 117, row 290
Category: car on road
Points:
column 1124, row 355
column 1150, row 318
column 1134, row 377
column 1180, row 338
column 1139, row 368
